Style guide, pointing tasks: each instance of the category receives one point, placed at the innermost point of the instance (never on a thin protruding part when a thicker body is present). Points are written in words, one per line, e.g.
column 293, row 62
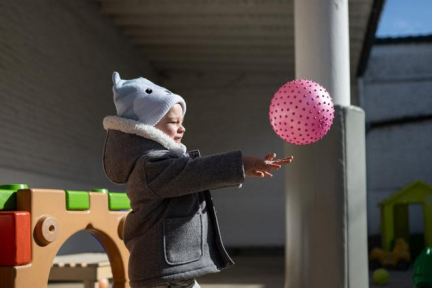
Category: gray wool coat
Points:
column 172, row 232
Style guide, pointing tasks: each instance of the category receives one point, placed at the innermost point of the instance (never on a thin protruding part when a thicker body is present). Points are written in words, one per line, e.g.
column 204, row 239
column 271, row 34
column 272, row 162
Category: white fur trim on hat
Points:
column 146, row 131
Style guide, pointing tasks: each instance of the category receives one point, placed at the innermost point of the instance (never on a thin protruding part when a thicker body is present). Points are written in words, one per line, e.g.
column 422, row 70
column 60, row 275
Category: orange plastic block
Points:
column 15, row 240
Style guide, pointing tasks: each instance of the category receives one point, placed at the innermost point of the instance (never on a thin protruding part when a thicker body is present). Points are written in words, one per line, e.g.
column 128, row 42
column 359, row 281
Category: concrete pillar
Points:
column 322, row 45
column 326, row 244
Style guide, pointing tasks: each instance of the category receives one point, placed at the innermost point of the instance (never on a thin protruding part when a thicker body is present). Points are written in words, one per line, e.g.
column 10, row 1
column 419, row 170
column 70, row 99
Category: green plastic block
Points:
column 8, row 195
column 7, row 200
column 118, row 201
column 77, row 200
column 14, row 187
column 103, row 190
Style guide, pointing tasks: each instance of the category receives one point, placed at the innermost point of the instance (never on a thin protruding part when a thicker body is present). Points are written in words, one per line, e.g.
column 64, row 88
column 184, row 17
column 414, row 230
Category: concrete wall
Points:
column 56, row 60
column 229, row 111
column 397, row 99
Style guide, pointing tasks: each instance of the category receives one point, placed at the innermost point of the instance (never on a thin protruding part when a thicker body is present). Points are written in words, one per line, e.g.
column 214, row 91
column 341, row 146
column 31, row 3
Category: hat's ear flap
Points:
column 116, row 78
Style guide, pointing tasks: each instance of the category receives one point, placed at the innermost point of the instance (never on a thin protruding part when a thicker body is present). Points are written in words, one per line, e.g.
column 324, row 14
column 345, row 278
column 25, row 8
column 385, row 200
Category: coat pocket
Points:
column 183, row 239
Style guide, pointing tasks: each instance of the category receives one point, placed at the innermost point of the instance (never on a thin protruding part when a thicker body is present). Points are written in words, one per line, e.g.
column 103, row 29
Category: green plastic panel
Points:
column 8, row 195
column 7, row 200
column 118, row 201
column 103, row 190
column 14, row 187
column 77, row 200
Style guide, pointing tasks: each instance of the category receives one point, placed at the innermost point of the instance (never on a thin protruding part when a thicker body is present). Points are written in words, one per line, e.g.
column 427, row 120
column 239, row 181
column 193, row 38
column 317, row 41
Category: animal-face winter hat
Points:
column 142, row 100
column 140, row 105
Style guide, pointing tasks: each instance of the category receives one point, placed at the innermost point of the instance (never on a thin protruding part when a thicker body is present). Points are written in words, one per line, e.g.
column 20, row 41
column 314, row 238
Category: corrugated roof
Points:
column 403, row 40
column 222, row 35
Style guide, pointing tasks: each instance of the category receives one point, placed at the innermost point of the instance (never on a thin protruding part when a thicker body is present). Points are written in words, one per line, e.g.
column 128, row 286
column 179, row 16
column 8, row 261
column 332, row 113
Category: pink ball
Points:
column 301, row 112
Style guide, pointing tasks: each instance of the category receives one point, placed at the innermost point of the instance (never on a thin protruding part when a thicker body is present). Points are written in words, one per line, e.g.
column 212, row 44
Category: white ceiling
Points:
column 221, row 35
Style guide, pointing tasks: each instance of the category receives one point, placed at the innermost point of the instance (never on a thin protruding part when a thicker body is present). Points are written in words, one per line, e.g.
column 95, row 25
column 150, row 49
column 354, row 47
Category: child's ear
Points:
column 116, row 78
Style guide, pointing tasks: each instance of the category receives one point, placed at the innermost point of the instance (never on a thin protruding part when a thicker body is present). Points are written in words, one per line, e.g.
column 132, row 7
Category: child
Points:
column 172, row 232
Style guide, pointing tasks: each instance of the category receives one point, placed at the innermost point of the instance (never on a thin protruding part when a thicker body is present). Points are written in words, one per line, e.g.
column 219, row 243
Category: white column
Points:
column 326, row 244
column 322, row 45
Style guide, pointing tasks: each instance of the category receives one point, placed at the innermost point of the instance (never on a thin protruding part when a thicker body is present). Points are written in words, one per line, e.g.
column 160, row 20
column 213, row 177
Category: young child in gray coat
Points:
column 172, row 232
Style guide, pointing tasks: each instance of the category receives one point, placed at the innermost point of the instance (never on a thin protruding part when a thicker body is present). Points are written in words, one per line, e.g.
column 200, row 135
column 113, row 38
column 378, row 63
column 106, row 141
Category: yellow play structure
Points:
column 394, row 213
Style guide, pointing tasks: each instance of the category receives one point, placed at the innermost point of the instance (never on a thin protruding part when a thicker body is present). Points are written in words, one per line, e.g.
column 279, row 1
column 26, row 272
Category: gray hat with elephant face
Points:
column 142, row 100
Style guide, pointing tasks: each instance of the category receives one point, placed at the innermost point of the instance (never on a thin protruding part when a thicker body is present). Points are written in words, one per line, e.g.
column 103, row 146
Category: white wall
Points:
column 56, row 60
column 397, row 85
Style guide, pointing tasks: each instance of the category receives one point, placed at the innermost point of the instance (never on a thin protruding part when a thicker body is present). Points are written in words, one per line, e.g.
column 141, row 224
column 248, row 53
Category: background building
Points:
column 396, row 96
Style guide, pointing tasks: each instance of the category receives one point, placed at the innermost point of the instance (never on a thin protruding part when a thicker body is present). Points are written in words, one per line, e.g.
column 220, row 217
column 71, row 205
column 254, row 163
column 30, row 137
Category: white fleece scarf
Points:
column 146, row 131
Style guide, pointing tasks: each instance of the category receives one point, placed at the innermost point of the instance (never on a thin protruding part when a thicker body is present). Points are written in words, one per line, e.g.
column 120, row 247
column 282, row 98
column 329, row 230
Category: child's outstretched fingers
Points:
column 256, row 173
column 267, row 174
column 268, row 165
column 262, row 174
column 270, row 156
column 284, row 161
column 261, row 167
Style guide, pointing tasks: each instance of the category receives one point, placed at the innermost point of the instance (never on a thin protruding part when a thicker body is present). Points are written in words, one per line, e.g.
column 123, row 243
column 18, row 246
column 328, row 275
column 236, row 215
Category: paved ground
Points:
column 257, row 271
column 249, row 272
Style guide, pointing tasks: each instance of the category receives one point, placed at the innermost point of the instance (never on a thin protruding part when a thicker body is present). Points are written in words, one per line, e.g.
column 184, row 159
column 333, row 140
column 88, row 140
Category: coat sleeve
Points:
column 168, row 176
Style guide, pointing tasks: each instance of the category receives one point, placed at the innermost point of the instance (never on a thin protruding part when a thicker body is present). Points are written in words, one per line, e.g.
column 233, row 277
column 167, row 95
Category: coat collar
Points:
column 129, row 126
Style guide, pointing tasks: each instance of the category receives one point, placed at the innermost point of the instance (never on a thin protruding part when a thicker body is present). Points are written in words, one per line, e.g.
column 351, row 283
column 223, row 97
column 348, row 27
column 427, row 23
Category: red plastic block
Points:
column 15, row 238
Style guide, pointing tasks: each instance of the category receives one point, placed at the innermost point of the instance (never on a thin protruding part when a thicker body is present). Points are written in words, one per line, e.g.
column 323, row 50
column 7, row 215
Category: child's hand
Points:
column 257, row 167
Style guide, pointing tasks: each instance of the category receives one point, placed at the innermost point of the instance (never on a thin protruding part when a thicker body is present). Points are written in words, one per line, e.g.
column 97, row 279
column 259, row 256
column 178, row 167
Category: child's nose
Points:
column 182, row 129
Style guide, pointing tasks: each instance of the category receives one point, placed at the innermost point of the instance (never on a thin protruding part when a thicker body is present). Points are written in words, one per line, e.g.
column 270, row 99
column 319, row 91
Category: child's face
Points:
column 172, row 123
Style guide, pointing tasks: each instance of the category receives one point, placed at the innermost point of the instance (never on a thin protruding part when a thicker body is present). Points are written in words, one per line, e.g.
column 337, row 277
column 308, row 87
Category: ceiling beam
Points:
column 200, row 20
column 221, row 32
column 223, row 67
column 219, row 59
column 212, row 22
column 199, row 42
column 273, row 50
column 230, row 7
